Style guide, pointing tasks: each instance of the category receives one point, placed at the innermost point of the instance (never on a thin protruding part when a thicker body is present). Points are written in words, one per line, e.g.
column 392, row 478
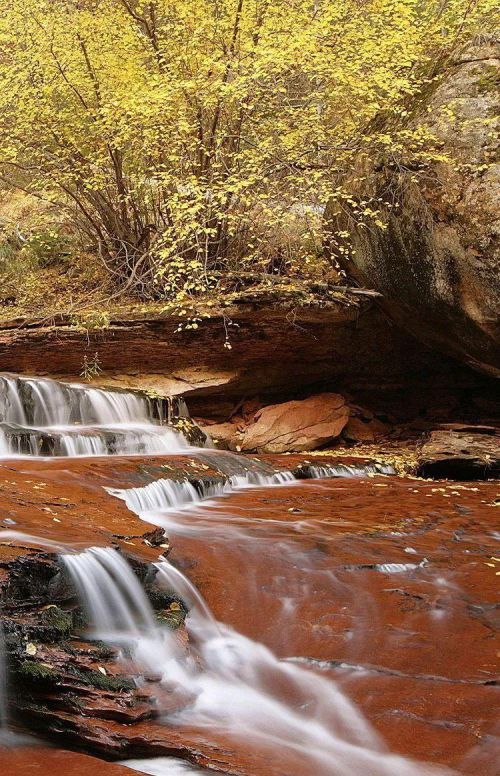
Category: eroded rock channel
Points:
column 178, row 609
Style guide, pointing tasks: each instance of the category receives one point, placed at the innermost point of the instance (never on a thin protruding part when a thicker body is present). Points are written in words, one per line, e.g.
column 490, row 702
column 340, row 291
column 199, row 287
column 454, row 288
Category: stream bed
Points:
column 264, row 616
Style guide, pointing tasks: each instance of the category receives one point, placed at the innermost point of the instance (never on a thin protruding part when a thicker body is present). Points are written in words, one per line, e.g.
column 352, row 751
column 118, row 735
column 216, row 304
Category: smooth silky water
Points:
column 236, row 687
column 41, row 417
column 231, row 683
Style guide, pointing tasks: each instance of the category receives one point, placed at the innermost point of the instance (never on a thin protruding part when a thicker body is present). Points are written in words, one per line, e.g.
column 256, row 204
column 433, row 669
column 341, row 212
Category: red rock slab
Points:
column 302, row 577
column 40, row 761
column 64, row 500
column 324, row 554
column 213, row 749
column 428, row 720
column 309, row 583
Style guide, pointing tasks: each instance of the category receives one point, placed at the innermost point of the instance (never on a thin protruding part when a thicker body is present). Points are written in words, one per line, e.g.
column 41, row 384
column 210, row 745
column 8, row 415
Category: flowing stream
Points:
column 230, row 681
column 40, row 417
column 226, row 681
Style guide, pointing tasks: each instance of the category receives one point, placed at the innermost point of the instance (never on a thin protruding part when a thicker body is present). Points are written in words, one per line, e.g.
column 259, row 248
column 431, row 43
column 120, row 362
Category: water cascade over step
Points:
column 41, row 417
column 166, row 495
column 222, row 681
column 228, row 680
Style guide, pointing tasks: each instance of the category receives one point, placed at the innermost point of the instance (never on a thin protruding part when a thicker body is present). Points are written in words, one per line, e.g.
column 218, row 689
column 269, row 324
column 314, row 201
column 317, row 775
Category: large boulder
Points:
column 437, row 264
column 461, row 453
column 297, row 425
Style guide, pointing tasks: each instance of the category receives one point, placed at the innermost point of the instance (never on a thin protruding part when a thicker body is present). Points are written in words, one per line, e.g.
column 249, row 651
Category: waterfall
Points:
column 234, row 683
column 117, row 608
column 41, row 417
column 164, row 495
column 111, row 594
column 326, row 471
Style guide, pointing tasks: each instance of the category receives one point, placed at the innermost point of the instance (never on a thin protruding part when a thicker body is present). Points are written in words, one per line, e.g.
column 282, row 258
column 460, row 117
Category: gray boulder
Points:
column 437, row 264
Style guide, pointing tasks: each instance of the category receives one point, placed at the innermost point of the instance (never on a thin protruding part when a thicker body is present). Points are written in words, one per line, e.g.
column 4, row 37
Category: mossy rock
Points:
column 101, row 681
column 57, row 623
column 162, row 600
column 172, row 619
column 35, row 671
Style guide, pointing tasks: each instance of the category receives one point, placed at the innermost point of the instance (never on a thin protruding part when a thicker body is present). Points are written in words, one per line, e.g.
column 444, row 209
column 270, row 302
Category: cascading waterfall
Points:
column 116, row 606
column 165, row 495
column 232, row 683
column 41, row 417
column 111, row 594
column 318, row 472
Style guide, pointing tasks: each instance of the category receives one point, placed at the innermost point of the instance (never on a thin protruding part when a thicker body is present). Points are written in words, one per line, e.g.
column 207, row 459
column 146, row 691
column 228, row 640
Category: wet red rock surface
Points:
column 39, row 761
column 418, row 647
column 302, row 569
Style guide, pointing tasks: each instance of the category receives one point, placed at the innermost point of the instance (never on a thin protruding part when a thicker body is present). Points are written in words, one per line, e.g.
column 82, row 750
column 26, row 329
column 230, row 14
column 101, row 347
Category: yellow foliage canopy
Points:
column 186, row 135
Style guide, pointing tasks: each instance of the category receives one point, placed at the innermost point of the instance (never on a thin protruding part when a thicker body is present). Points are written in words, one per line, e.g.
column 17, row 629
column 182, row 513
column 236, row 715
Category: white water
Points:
column 110, row 593
column 235, row 684
column 164, row 496
column 44, row 417
column 230, row 683
column 165, row 766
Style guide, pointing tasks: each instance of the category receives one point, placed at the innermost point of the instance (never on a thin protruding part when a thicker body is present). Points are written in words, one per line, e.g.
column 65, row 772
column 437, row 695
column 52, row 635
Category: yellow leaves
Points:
column 222, row 139
column 494, row 565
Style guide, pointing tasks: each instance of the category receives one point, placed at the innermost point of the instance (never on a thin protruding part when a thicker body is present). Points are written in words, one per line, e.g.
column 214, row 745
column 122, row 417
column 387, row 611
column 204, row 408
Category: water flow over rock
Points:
column 167, row 495
column 230, row 682
column 111, row 594
column 165, row 766
column 40, row 417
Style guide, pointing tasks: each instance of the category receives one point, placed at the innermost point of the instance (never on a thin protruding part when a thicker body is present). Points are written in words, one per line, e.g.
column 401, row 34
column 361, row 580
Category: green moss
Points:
column 172, row 620
column 113, row 683
column 59, row 621
column 33, row 671
column 102, row 682
column 163, row 599
column 75, row 701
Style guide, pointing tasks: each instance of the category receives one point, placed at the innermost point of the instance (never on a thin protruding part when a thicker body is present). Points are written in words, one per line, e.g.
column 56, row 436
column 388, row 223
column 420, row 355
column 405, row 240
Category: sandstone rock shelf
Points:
column 277, row 351
column 363, row 529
